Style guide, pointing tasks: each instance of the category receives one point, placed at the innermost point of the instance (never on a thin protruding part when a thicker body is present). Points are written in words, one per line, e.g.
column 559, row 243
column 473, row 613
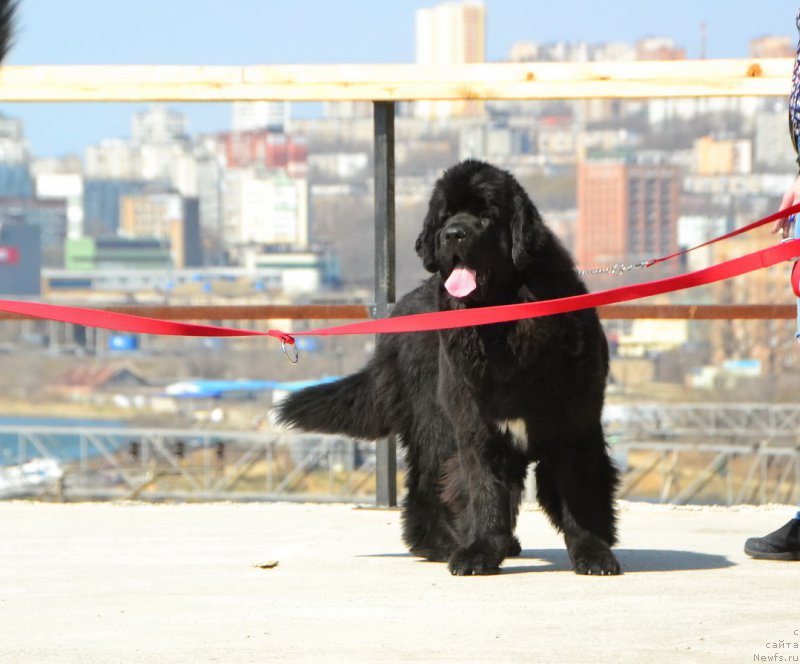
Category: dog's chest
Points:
column 490, row 355
column 517, row 430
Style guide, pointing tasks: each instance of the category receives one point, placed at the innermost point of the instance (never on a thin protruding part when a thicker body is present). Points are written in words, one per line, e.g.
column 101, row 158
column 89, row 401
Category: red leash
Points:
column 757, row 260
column 775, row 216
column 442, row 320
column 110, row 320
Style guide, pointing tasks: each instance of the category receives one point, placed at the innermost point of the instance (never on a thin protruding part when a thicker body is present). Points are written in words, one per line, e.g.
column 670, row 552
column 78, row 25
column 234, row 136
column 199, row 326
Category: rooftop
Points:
column 129, row 582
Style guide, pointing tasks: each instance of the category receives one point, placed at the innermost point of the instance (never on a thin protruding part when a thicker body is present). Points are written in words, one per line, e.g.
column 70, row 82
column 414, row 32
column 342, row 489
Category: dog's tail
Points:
column 8, row 10
column 348, row 407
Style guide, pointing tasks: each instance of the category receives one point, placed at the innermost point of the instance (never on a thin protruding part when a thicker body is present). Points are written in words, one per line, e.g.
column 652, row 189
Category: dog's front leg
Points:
column 484, row 524
column 483, row 511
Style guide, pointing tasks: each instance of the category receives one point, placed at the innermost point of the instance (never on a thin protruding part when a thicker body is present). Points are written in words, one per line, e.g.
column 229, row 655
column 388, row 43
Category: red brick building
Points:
column 268, row 149
column 626, row 212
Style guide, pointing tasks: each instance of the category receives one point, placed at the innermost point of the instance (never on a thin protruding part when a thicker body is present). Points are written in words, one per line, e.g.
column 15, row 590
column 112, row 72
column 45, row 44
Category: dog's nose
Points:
column 454, row 233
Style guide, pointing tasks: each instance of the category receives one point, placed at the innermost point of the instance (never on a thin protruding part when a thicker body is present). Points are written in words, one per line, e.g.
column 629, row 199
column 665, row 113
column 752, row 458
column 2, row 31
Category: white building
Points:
column 265, row 209
column 772, row 143
column 113, row 159
column 13, row 146
column 67, row 186
column 159, row 124
column 452, row 33
column 255, row 115
column 160, row 149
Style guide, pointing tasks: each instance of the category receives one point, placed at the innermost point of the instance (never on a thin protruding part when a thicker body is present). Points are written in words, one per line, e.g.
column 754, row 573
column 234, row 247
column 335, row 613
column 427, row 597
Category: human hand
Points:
column 791, row 197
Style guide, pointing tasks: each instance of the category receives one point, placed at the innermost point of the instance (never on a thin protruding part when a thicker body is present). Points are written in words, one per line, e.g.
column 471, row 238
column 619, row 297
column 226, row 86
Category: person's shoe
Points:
column 782, row 544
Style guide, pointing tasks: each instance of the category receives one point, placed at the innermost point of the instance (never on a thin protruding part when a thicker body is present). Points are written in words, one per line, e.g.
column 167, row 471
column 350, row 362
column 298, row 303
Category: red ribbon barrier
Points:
column 757, row 260
column 440, row 320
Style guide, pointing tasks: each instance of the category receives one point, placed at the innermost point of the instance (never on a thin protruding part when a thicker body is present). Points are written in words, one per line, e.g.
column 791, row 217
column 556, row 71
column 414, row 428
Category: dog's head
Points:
column 481, row 232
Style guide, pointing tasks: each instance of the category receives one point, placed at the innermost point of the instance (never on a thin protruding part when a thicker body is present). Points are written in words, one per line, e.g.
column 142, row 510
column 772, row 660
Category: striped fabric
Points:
column 794, row 98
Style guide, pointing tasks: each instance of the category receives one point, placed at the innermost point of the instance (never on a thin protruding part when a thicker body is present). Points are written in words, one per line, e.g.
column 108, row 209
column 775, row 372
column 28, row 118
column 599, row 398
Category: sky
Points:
column 243, row 32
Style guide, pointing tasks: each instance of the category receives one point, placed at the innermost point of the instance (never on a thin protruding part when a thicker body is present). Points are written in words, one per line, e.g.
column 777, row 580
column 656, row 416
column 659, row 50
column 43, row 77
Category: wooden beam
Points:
column 536, row 80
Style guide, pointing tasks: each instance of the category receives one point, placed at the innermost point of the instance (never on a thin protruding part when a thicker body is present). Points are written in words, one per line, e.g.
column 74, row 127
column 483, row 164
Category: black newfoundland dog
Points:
column 474, row 406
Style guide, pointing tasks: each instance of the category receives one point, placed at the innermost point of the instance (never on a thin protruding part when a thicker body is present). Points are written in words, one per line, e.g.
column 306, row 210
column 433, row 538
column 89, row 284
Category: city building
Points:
column 296, row 272
column 48, row 216
column 265, row 209
column 90, row 254
column 165, row 216
column 482, row 141
column 64, row 186
column 772, row 146
column 659, row 48
column 627, row 212
column 210, row 175
column 16, row 180
column 112, row 159
column 726, row 156
column 558, row 139
column 266, row 149
column 160, row 149
column 297, row 275
column 771, row 343
column 452, row 33
column 272, row 116
column 20, row 259
column 347, row 110
column 158, row 124
column 13, row 146
column 101, row 204
column 772, row 46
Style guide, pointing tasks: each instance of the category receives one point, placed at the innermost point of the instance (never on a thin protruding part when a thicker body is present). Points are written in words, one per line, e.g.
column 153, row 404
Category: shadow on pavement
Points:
column 632, row 561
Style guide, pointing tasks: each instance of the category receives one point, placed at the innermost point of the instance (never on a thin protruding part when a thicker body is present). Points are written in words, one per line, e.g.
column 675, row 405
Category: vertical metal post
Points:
column 386, row 460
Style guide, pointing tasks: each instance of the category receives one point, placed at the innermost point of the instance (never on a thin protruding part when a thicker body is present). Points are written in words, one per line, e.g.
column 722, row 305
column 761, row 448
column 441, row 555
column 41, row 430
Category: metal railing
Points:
column 679, row 454
column 182, row 464
column 384, row 85
column 726, row 453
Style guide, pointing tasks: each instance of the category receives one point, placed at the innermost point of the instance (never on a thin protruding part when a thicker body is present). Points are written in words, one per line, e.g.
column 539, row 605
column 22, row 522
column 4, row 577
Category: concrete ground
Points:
column 118, row 583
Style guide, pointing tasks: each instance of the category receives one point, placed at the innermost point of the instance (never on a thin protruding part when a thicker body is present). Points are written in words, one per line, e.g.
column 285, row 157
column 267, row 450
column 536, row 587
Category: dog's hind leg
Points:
column 427, row 528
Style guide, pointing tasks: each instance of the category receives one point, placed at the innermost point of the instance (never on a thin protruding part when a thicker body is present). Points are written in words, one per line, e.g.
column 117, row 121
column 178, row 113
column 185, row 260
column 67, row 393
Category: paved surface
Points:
column 117, row 583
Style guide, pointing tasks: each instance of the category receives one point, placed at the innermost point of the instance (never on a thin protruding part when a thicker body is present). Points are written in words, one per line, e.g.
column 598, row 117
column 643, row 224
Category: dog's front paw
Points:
column 473, row 561
column 594, row 557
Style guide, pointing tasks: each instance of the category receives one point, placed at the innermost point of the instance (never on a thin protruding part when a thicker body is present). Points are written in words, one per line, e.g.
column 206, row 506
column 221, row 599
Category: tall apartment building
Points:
column 20, row 259
column 265, row 149
column 452, row 33
column 265, row 208
column 626, row 212
column 159, row 124
column 260, row 115
column 164, row 216
column 13, row 146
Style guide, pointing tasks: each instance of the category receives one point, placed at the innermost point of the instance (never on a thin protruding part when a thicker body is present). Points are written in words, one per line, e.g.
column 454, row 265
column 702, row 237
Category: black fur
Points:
column 448, row 394
column 8, row 9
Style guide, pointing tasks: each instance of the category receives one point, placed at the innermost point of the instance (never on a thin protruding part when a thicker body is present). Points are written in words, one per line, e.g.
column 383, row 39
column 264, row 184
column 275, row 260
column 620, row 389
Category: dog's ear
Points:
column 527, row 230
column 426, row 242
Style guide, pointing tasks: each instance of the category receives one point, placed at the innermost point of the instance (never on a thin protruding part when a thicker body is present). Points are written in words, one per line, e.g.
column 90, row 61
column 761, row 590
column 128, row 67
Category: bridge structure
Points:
column 726, row 453
column 669, row 453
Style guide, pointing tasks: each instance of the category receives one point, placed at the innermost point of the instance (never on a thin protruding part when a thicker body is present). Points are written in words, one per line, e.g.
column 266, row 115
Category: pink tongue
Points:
column 461, row 282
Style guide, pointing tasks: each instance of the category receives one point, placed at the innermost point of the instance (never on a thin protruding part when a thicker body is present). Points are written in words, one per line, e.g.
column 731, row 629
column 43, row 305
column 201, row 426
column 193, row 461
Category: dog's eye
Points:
column 485, row 221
